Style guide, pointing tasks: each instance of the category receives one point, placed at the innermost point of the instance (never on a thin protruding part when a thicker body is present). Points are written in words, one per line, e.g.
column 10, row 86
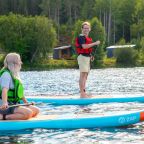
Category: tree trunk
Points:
column 70, row 16
column 104, row 21
column 114, row 38
column 109, row 24
column 75, row 15
column 58, row 21
column 123, row 34
column 100, row 15
column 49, row 12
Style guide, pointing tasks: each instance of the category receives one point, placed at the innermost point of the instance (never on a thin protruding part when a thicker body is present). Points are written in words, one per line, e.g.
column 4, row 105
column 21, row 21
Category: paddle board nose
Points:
column 141, row 116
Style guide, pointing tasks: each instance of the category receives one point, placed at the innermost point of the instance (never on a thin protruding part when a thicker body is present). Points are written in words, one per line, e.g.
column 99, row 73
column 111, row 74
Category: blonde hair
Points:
column 86, row 23
column 13, row 62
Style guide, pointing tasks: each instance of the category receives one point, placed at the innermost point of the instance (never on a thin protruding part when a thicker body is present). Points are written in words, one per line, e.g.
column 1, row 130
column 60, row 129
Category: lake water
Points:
column 118, row 81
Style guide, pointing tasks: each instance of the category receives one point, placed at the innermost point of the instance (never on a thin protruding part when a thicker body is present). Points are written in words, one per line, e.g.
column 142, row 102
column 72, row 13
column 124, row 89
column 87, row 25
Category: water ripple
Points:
column 119, row 81
column 100, row 82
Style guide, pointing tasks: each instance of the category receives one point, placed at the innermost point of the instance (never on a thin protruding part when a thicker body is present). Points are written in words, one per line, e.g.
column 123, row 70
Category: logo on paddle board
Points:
column 121, row 120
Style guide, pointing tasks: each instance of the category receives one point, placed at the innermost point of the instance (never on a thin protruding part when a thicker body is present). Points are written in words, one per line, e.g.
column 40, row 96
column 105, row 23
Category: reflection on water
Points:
column 100, row 82
column 65, row 82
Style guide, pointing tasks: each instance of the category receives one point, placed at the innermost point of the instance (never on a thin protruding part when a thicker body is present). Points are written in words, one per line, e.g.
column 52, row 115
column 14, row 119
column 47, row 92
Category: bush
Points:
column 109, row 62
column 2, row 56
column 141, row 57
column 126, row 56
column 29, row 36
column 46, row 64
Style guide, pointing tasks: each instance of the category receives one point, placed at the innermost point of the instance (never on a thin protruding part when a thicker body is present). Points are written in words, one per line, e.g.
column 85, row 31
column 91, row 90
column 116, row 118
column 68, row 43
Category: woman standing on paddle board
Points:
column 84, row 49
column 11, row 91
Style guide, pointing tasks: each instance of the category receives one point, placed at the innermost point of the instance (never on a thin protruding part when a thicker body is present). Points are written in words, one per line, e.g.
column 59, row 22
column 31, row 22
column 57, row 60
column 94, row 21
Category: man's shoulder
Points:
column 6, row 74
column 81, row 37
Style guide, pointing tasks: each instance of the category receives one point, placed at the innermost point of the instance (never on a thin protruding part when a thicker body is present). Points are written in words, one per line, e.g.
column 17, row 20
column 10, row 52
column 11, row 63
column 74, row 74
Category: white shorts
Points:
column 84, row 63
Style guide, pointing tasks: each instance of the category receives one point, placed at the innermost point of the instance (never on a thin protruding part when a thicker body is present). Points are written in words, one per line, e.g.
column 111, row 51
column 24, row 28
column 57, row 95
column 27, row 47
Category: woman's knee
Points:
column 35, row 110
column 25, row 112
column 28, row 113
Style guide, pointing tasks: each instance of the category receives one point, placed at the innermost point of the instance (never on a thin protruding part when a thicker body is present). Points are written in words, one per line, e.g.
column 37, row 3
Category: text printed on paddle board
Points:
column 126, row 119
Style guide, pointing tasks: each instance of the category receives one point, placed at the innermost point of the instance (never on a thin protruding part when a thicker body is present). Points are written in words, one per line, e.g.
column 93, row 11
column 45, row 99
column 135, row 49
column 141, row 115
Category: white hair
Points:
column 13, row 62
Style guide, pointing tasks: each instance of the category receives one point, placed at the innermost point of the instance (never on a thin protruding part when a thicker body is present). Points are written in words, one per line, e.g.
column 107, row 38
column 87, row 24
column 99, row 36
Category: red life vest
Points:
column 81, row 50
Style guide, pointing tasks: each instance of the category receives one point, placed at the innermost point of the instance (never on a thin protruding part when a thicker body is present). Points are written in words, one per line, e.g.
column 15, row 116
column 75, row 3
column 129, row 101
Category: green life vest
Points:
column 16, row 94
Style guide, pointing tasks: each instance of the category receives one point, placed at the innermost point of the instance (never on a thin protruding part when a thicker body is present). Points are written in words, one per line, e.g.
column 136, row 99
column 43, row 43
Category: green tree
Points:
column 98, row 33
column 87, row 9
column 32, row 37
column 138, row 13
column 45, row 37
column 116, row 17
column 126, row 9
column 141, row 53
column 77, row 30
column 4, row 7
column 137, row 30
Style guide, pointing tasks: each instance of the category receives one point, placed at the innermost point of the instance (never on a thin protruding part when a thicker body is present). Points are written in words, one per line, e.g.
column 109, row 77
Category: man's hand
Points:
column 97, row 42
column 92, row 58
column 4, row 106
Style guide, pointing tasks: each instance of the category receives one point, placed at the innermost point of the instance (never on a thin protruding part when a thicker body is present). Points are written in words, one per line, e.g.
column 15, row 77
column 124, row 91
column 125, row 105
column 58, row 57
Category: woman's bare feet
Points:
column 84, row 95
column 89, row 95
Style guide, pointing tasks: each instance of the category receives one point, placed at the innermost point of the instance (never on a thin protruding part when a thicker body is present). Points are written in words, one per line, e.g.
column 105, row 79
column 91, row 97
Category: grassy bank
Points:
column 64, row 64
column 49, row 64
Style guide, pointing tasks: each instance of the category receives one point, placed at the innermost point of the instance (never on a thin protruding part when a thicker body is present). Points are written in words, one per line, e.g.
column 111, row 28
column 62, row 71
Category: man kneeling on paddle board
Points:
column 11, row 91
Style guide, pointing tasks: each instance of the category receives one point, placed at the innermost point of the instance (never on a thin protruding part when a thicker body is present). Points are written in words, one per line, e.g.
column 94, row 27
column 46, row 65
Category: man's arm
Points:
column 5, row 85
column 90, row 45
column 4, row 98
column 24, row 100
